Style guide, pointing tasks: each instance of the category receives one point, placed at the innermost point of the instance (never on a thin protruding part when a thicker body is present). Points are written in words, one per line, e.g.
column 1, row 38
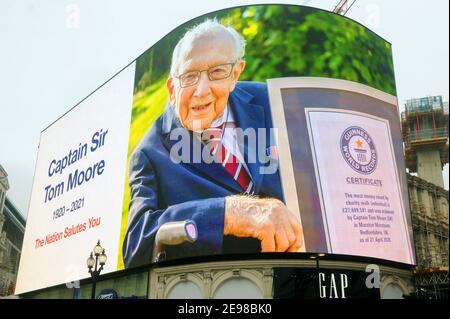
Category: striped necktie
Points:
column 213, row 139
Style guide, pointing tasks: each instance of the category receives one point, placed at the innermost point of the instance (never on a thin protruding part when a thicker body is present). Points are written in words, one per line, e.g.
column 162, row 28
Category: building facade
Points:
column 12, row 229
column 429, row 211
column 425, row 136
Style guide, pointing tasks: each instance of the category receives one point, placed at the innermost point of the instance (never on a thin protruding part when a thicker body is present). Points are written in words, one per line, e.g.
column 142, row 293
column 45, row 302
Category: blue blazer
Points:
column 163, row 191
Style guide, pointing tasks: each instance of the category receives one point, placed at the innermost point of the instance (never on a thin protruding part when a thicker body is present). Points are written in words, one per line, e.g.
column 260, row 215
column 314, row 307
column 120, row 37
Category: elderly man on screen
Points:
column 235, row 207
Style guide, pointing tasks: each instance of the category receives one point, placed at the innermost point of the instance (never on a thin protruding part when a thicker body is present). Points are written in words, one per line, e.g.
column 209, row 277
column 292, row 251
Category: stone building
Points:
column 429, row 211
column 12, row 229
column 425, row 136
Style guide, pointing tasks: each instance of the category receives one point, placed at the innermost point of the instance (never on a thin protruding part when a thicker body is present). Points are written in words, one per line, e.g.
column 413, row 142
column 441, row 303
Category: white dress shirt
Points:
column 229, row 136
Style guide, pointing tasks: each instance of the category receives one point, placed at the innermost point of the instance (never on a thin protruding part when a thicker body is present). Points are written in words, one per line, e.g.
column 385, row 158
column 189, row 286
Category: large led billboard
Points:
column 267, row 128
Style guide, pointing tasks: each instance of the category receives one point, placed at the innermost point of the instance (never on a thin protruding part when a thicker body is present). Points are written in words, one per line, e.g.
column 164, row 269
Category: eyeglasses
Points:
column 215, row 73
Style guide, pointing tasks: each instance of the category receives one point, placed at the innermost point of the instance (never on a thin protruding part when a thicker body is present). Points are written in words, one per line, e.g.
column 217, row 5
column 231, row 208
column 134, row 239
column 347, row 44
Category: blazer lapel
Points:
column 249, row 116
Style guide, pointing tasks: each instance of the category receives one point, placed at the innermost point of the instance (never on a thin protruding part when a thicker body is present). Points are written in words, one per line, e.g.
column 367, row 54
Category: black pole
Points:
column 94, row 283
column 94, row 277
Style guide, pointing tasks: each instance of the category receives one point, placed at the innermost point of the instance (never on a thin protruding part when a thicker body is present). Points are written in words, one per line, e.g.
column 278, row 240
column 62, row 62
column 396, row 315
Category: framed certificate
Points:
column 342, row 166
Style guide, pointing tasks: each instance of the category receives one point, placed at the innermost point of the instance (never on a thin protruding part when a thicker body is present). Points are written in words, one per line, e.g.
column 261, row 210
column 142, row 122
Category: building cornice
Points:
column 4, row 179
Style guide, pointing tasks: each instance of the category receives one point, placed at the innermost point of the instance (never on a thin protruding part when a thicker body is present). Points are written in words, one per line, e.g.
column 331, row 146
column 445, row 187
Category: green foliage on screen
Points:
column 294, row 41
column 282, row 41
column 285, row 40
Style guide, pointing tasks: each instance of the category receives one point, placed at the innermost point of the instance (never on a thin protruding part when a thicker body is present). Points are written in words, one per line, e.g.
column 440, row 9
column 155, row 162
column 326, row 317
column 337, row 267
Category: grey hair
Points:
column 209, row 26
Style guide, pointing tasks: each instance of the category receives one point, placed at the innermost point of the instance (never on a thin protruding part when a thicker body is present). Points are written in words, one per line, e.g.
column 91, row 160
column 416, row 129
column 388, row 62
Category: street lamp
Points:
column 100, row 258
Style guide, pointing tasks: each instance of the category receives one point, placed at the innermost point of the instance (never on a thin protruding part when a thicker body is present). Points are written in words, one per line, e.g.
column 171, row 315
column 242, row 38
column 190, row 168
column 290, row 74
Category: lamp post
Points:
column 100, row 258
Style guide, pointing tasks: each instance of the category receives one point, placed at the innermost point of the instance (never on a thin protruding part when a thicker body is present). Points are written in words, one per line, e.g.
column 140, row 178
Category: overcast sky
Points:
column 53, row 53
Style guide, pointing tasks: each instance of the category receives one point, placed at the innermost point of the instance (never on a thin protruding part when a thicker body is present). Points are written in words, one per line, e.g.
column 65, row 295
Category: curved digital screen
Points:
column 266, row 128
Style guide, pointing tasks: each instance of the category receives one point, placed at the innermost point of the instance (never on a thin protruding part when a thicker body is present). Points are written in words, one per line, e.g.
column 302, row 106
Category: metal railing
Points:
column 416, row 136
column 424, row 104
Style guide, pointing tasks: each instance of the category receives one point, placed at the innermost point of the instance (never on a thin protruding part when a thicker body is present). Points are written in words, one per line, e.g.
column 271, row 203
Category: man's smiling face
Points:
column 199, row 105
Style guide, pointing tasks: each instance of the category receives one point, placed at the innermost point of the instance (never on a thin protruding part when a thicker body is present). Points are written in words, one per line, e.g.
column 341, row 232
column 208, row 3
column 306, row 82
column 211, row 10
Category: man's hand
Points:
column 266, row 219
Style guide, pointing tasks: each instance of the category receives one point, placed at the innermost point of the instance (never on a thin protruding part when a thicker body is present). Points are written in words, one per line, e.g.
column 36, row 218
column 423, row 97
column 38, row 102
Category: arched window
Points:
column 238, row 288
column 185, row 290
column 393, row 291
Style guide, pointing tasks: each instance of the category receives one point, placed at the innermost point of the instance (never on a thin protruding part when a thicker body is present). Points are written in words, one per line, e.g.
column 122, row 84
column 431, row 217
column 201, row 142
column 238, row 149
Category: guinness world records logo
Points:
column 358, row 150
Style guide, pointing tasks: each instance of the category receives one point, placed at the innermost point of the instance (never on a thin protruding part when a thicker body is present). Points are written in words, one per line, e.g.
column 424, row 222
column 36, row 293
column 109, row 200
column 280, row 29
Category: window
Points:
column 185, row 290
column 238, row 288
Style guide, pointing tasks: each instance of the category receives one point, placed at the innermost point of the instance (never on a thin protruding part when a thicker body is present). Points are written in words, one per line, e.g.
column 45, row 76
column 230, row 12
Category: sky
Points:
column 53, row 53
